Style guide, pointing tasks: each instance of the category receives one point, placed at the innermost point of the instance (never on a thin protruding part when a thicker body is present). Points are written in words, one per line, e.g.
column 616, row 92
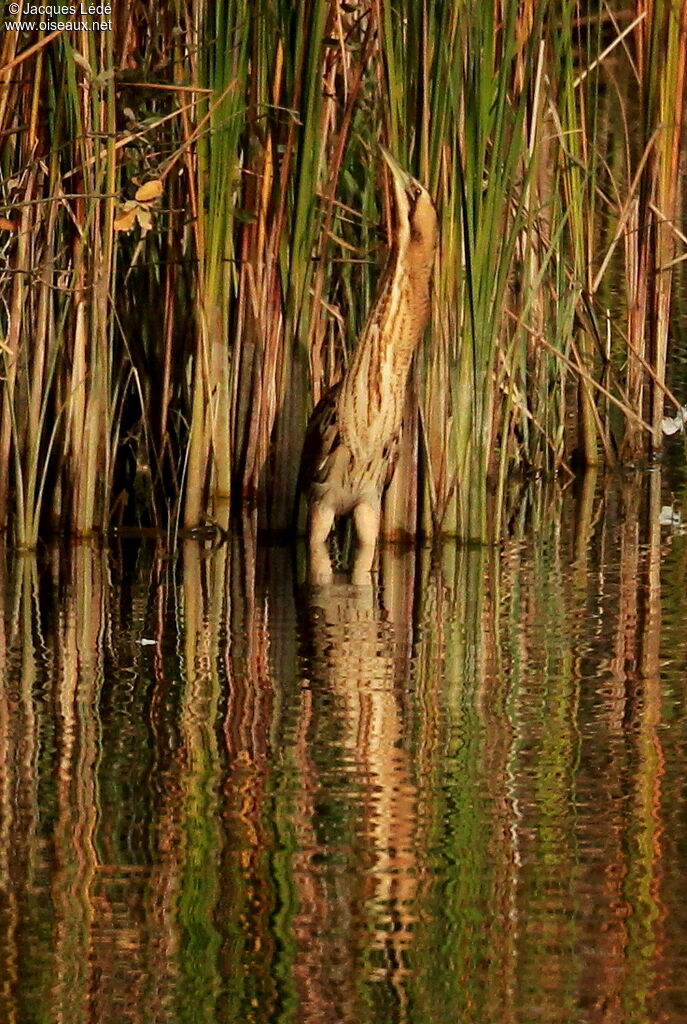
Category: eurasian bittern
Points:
column 351, row 443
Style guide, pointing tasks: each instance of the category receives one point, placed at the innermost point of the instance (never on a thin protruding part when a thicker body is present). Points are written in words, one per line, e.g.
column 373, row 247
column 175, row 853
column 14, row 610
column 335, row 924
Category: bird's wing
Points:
column 391, row 452
column 322, row 438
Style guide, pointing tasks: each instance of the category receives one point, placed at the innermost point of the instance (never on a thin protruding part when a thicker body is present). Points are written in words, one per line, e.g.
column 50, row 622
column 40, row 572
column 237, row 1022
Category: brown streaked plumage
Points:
column 351, row 443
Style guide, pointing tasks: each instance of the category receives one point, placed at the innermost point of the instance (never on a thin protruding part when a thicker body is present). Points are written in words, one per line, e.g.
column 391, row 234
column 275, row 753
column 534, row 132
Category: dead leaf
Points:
column 149, row 190
column 126, row 219
column 144, row 219
column 82, row 62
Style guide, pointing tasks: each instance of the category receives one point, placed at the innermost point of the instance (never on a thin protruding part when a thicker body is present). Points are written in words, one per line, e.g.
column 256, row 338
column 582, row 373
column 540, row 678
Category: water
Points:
column 456, row 797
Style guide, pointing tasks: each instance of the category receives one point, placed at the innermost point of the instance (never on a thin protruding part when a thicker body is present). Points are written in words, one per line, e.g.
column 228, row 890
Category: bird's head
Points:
column 416, row 216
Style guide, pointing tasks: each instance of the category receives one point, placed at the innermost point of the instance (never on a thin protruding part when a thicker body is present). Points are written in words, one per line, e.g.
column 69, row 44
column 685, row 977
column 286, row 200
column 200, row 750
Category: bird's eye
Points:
column 417, row 191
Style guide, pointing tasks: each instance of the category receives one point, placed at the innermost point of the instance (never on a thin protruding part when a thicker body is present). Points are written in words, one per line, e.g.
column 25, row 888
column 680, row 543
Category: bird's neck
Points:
column 374, row 384
column 400, row 313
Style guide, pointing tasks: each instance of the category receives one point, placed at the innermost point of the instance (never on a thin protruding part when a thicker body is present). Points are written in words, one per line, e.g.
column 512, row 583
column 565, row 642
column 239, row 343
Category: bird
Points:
column 352, row 438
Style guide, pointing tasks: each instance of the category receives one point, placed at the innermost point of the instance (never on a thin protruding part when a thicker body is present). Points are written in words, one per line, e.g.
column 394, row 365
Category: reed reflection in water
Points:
column 456, row 795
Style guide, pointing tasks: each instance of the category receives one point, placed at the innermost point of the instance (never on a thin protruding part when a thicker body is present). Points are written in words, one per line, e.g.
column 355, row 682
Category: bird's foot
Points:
column 362, row 565
column 319, row 565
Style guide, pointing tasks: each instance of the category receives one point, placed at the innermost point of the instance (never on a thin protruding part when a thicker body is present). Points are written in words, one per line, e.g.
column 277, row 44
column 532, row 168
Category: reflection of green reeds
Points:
column 161, row 350
column 216, row 799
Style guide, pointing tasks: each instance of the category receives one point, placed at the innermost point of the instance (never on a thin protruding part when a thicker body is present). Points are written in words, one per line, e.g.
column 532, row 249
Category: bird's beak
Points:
column 402, row 180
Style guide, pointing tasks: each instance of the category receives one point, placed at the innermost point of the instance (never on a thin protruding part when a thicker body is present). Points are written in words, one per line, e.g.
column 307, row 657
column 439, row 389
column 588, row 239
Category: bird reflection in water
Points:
column 357, row 805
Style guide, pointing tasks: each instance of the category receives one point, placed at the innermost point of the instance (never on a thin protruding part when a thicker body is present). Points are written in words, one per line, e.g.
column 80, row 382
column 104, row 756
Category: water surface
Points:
column 454, row 796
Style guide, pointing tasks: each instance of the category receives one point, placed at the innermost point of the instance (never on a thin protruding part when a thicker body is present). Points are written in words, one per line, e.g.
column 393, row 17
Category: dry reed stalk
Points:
column 636, row 264
column 260, row 315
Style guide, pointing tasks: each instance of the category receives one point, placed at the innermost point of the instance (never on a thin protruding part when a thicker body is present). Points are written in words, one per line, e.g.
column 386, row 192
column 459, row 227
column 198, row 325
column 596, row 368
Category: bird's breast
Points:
column 351, row 479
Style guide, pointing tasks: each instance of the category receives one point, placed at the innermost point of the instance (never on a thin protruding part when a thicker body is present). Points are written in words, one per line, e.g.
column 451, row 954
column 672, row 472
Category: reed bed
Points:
column 194, row 216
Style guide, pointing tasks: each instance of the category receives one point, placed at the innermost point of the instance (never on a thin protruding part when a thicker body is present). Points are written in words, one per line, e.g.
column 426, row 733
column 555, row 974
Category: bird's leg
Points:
column 320, row 522
column 366, row 519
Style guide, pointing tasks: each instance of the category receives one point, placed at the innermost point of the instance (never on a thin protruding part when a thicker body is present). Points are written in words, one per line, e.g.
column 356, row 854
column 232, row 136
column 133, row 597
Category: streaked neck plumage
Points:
column 373, row 389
